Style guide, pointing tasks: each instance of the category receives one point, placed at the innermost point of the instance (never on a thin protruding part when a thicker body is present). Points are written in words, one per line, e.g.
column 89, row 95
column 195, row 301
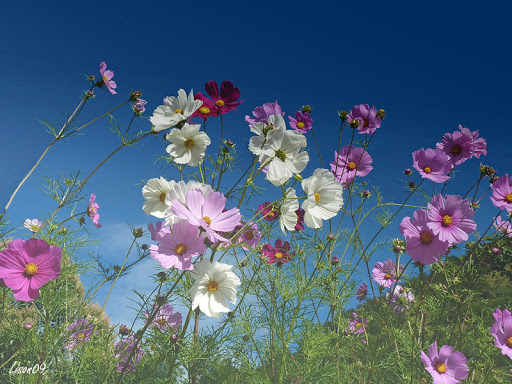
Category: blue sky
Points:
column 431, row 66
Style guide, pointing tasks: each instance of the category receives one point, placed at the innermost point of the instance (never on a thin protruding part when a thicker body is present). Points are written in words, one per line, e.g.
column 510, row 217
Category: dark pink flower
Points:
column 502, row 193
column 503, row 226
column 351, row 162
column 261, row 114
column 302, row 122
column 362, row 291
column 25, row 266
column 268, row 211
column 165, row 318
column 447, row 366
column 479, row 144
column 422, row 244
column 208, row 109
column 300, row 219
column 106, row 78
column 386, row 273
column 450, row 218
column 357, row 324
column 226, row 100
column 458, row 147
column 92, row 211
column 279, row 254
column 367, row 117
column 432, row 164
column 126, row 359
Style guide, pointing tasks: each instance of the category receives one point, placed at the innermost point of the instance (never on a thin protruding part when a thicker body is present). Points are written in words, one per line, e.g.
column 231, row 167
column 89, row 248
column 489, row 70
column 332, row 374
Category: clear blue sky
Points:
column 431, row 66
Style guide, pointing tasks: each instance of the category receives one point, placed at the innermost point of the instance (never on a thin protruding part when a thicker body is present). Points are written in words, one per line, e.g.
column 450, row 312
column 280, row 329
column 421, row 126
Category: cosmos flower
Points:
column 165, row 318
column 503, row 336
column 422, row 245
column 81, row 332
column 302, row 122
column 179, row 192
column 214, row 285
column 357, row 324
column 367, row 117
column 178, row 246
column 300, row 219
column 106, row 78
column 33, row 225
column 250, row 237
column 432, row 164
column 400, row 299
column 25, row 266
column 351, row 162
column 479, row 144
column 502, row 193
column 445, row 366
column 139, row 106
column 500, row 318
column 386, row 273
column 275, row 122
column 324, row 198
column 188, row 145
column 288, row 218
column 174, row 111
column 503, row 226
column 458, row 147
column 208, row 109
column 280, row 253
column 124, row 349
column 450, row 218
column 262, row 114
column 92, row 211
column 226, row 100
column 268, row 211
column 154, row 192
column 362, row 291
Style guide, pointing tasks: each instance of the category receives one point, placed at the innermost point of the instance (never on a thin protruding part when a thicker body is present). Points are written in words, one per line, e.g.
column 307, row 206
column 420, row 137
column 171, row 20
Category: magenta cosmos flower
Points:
column 92, row 211
column 362, row 291
column 400, row 299
column 268, row 211
column 479, row 144
column 208, row 109
column 261, row 114
column 502, row 193
column 503, row 226
column 127, row 357
column 302, row 122
column 422, row 245
column 351, row 162
column 208, row 213
column 81, row 331
column 458, row 147
column 386, row 273
column 178, row 246
column 445, row 366
column 367, row 117
column 300, row 219
column 357, row 324
column 432, row 164
column 25, row 266
column 106, row 78
column 165, row 318
column 450, row 218
column 226, row 100
column 280, row 253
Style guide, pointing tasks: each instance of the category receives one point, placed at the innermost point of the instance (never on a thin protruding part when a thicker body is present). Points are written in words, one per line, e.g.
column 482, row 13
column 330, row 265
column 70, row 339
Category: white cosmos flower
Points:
column 288, row 217
column 281, row 152
column 324, row 198
column 33, row 225
column 174, row 110
column 188, row 145
column 215, row 284
column 179, row 192
column 261, row 129
column 155, row 192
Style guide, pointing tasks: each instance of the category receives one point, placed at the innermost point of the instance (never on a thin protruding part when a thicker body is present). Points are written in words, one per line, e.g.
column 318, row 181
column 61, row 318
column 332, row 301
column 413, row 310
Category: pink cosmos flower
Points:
column 357, row 324
column 261, row 114
column 158, row 233
column 208, row 109
column 123, row 349
column 446, row 367
column 502, row 193
column 268, row 211
column 362, row 291
column 300, row 219
column 450, row 218
column 106, row 77
column 81, row 332
column 250, row 237
column 279, row 254
column 500, row 318
column 432, row 164
column 367, row 117
column 503, row 226
column 92, row 211
column 165, row 318
column 458, row 147
column 479, row 144
column 400, row 299
column 302, row 122
column 25, row 266
column 178, row 246
column 208, row 213
column 503, row 336
column 351, row 162
column 386, row 273
column 139, row 106
column 227, row 99
column 422, row 245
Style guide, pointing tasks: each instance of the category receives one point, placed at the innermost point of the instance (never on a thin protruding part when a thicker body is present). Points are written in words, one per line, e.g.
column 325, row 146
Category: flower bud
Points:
column 91, row 78
column 411, row 184
column 381, row 113
column 124, row 330
column 297, row 177
column 343, row 115
column 160, row 300
column 144, row 246
column 134, row 96
column 366, row 193
column 137, row 232
column 331, row 237
column 162, row 276
column 335, row 260
column 354, row 123
column 174, row 337
column 28, row 326
column 408, row 172
column 229, row 143
column 496, row 250
column 306, row 109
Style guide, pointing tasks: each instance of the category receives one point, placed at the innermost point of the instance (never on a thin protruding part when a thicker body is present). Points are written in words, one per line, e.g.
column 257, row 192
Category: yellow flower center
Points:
column 441, row 367
column 270, row 214
column 387, row 276
column 204, row 111
column 358, row 325
column 300, row 125
column 207, row 219
column 162, row 322
column 31, row 269
column 180, row 111
column 162, row 197
column 212, row 286
column 80, row 336
column 219, row 103
column 105, row 80
column 181, row 249
column 249, row 235
column 456, row 149
column 281, row 155
column 278, row 255
column 426, row 238
column 427, row 170
column 189, row 143
column 509, row 342
column 508, row 198
column 447, row 220
column 317, row 197
column 351, row 166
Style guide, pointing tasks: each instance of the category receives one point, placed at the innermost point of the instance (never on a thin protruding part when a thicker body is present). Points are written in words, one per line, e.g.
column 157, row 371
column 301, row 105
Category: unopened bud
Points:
column 354, row 123
column 229, row 143
column 174, row 337
column 306, row 109
column 137, row 232
column 366, row 193
column 144, row 246
column 411, row 184
column 381, row 113
column 496, row 250
column 335, row 260
column 28, row 326
column 343, row 115
column 134, row 96
column 408, row 172
column 297, row 177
